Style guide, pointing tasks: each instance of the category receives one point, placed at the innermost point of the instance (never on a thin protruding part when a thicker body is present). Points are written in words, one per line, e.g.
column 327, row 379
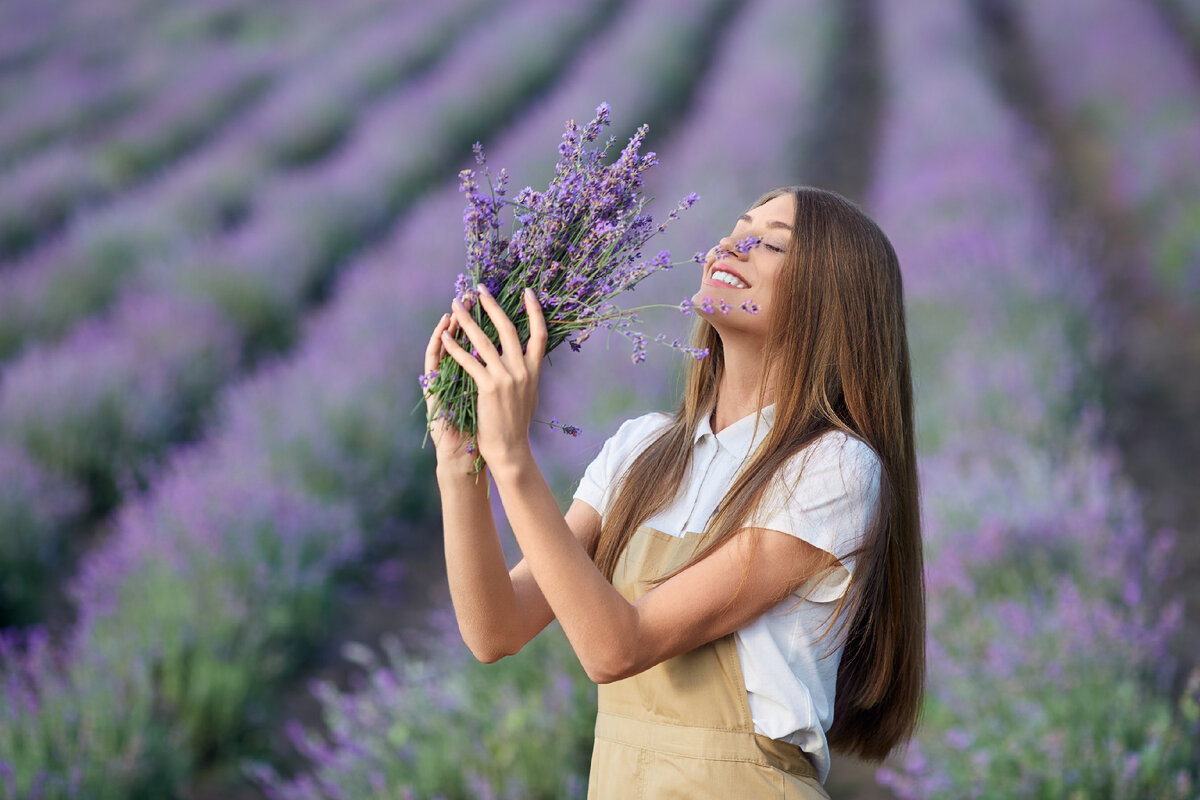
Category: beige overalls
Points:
column 682, row 729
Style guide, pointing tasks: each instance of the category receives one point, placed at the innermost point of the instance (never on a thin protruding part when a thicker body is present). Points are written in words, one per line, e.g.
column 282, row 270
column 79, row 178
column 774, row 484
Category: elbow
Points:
column 610, row 667
column 490, row 650
column 488, row 654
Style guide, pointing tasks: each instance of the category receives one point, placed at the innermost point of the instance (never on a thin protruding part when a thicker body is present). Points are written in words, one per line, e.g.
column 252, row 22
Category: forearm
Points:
column 485, row 604
column 601, row 625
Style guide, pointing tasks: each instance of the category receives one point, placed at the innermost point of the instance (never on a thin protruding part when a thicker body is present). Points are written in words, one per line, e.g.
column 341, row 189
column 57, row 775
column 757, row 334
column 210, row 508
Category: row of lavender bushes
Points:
column 102, row 407
column 1047, row 642
column 223, row 186
column 74, row 71
column 107, row 106
column 438, row 724
column 1144, row 110
column 196, row 605
column 207, row 88
column 69, row 66
column 45, row 188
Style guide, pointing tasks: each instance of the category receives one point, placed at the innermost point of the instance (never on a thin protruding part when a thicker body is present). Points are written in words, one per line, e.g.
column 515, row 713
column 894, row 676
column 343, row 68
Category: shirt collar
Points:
column 737, row 437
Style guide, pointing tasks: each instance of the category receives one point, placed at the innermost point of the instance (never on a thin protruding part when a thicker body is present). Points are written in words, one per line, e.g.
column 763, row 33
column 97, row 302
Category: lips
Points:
column 726, row 268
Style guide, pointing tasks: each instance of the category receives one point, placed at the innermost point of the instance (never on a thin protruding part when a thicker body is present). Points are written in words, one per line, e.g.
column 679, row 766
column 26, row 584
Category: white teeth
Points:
column 725, row 277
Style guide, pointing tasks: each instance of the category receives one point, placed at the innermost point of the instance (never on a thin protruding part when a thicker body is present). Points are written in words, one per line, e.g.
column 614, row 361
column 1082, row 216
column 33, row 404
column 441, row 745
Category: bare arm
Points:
column 498, row 611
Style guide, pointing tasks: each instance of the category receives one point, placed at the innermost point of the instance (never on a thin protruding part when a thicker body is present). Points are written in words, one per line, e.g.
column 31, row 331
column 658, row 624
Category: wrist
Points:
column 513, row 467
column 460, row 472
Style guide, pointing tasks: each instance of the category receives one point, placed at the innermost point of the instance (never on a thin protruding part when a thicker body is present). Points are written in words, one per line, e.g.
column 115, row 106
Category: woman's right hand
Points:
column 450, row 445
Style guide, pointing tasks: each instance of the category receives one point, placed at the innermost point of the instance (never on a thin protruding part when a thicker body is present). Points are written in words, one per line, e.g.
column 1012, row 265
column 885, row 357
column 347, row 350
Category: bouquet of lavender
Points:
column 578, row 244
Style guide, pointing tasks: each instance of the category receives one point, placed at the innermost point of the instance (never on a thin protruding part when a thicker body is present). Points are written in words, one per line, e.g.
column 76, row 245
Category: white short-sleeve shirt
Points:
column 826, row 495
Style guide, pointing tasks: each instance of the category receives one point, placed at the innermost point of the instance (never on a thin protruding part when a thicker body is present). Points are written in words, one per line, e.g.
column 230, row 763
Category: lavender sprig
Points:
column 578, row 243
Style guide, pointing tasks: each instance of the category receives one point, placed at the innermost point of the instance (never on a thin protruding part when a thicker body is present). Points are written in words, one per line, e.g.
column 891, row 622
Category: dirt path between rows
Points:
column 1151, row 390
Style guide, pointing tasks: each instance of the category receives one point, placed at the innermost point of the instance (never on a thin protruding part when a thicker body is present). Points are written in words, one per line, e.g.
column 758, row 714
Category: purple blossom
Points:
column 748, row 243
column 578, row 243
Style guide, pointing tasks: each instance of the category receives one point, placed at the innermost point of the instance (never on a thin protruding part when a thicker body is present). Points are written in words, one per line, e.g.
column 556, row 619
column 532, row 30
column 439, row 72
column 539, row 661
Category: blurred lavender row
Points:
column 43, row 190
column 105, row 60
column 1046, row 639
column 101, row 62
column 213, row 580
column 1126, row 80
column 198, row 94
column 461, row 750
column 44, row 42
column 301, row 123
column 101, row 407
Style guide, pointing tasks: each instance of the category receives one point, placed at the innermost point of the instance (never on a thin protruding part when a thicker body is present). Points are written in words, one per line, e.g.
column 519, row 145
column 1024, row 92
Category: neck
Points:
column 737, row 390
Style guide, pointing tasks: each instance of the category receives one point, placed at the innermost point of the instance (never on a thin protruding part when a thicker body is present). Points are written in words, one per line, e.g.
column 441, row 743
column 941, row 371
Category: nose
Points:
column 727, row 246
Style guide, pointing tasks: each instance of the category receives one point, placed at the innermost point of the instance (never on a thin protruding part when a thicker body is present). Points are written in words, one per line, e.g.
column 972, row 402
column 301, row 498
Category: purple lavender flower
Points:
column 745, row 245
column 577, row 244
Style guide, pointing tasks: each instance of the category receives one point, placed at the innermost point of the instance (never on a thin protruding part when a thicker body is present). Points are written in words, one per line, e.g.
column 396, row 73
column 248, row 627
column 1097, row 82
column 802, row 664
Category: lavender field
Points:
column 227, row 230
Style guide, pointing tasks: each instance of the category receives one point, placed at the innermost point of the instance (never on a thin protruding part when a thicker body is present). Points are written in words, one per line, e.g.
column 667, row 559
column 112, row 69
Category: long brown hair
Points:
column 837, row 351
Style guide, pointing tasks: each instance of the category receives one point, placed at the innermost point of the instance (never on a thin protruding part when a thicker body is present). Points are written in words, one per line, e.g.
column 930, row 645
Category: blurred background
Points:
column 227, row 229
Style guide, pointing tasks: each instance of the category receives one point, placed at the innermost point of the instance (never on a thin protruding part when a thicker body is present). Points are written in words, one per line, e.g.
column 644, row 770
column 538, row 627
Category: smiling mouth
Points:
column 723, row 277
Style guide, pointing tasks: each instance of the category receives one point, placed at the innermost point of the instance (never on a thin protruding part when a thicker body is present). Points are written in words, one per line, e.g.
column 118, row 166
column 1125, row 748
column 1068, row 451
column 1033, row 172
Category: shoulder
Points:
column 837, row 462
column 827, row 494
column 845, row 453
column 638, row 428
column 615, row 455
column 636, row 434
column 631, row 436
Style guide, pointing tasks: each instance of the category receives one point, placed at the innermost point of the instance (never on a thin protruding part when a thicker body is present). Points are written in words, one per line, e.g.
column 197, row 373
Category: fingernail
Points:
column 455, row 304
column 482, row 289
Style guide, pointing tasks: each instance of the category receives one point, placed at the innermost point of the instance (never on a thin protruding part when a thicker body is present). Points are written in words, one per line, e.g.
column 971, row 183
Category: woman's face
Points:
column 753, row 271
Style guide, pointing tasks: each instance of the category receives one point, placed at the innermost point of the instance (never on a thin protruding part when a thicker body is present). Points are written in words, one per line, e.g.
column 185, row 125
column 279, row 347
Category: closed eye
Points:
column 772, row 248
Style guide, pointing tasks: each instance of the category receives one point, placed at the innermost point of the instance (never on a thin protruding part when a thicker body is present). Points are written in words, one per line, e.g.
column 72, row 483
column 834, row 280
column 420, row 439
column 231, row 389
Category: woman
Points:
column 743, row 578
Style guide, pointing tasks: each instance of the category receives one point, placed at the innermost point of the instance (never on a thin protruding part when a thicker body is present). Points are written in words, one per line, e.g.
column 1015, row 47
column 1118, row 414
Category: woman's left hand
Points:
column 508, row 382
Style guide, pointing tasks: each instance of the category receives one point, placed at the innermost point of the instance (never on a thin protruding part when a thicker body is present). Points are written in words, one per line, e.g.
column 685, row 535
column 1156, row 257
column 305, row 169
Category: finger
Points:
column 469, row 363
column 483, row 345
column 535, row 349
column 433, row 352
column 505, row 329
column 433, row 358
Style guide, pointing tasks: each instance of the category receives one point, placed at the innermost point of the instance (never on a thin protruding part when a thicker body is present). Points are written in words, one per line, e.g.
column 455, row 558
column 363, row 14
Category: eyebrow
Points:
column 772, row 224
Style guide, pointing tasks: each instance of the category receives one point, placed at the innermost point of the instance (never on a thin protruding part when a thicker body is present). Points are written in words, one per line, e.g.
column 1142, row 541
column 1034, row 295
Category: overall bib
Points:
column 682, row 729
